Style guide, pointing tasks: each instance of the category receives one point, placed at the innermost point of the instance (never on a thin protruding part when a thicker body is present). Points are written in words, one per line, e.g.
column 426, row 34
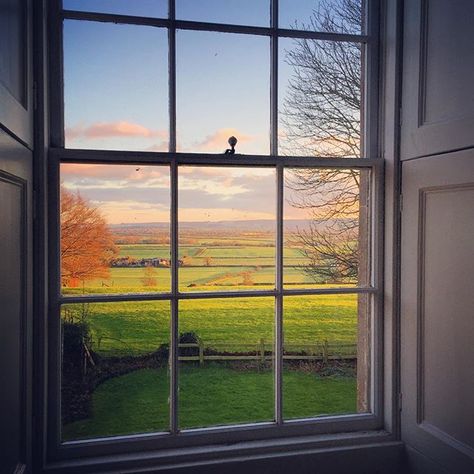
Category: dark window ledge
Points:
column 361, row 452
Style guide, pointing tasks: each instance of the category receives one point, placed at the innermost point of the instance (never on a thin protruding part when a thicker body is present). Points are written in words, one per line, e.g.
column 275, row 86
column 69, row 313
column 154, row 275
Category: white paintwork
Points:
column 438, row 74
column 437, row 246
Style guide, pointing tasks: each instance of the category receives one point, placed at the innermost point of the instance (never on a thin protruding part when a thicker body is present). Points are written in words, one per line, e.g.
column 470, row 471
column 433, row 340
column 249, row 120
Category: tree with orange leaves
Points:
column 87, row 245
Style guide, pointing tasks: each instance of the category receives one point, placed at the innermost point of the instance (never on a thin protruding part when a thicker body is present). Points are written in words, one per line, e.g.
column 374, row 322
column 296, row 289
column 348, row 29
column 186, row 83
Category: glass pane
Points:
column 115, row 230
column 115, row 86
column 226, row 228
column 114, row 369
column 222, row 91
column 320, row 100
column 326, row 357
column 234, row 12
column 225, row 361
column 150, row 8
column 326, row 228
column 329, row 16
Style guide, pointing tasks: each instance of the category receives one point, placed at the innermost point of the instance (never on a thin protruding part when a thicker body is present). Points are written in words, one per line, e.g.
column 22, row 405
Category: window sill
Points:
column 356, row 452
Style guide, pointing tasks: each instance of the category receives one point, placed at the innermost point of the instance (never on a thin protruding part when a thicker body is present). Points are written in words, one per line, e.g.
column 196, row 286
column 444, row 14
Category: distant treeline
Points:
column 130, row 262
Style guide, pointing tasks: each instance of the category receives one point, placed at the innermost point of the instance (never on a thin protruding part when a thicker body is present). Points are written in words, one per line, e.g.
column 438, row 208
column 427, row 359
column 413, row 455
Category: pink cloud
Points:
column 113, row 129
column 218, row 140
column 109, row 172
column 161, row 146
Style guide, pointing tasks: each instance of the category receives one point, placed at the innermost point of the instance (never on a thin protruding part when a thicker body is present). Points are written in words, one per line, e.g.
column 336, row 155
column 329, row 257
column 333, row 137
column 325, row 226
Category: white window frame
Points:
column 370, row 161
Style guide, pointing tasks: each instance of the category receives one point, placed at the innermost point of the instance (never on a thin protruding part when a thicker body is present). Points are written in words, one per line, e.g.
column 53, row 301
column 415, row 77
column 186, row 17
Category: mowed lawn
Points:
column 208, row 396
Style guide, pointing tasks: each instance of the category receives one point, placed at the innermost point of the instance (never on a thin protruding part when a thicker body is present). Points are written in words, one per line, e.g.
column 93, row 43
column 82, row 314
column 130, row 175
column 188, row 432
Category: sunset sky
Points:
column 116, row 97
column 135, row 193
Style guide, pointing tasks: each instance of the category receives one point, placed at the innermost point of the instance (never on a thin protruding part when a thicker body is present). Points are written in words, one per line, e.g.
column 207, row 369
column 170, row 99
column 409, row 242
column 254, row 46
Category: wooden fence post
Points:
column 325, row 351
column 201, row 352
column 262, row 350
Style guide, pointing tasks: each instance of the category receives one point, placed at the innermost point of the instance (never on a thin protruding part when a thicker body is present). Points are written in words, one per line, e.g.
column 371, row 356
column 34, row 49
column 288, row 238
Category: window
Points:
column 200, row 285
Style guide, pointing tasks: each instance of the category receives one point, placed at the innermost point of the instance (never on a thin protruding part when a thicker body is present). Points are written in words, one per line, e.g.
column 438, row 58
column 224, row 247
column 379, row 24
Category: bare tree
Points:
column 321, row 117
column 149, row 276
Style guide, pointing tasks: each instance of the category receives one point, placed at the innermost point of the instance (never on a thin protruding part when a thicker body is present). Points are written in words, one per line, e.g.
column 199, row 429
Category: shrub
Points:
column 189, row 338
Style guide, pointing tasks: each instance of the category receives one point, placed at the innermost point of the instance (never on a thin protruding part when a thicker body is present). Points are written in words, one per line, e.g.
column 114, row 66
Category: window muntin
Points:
column 175, row 297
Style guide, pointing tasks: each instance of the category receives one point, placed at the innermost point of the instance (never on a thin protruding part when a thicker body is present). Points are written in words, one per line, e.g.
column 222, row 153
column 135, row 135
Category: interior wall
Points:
column 15, row 237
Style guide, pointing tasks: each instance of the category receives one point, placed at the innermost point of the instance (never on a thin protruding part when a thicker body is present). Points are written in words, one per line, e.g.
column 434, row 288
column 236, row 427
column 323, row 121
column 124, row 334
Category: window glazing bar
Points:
column 200, row 159
column 172, row 79
column 208, row 26
column 115, row 298
column 278, row 350
column 55, row 74
column 174, row 335
column 173, row 355
column 279, row 301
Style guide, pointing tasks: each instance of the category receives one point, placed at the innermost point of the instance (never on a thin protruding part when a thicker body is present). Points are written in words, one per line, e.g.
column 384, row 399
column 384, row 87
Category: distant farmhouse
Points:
column 130, row 262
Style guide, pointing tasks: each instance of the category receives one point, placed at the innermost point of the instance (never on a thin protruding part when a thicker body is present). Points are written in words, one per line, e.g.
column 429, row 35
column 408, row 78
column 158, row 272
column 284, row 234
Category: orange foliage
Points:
column 87, row 245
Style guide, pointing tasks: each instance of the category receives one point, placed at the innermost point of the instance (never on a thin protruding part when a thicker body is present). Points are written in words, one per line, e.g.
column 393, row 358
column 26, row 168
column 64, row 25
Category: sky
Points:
column 244, row 12
column 138, row 194
column 116, row 97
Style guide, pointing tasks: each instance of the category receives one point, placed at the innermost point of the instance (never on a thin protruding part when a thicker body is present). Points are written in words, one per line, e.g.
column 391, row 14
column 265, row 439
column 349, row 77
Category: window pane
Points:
column 326, row 228
column 225, row 361
column 115, row 86
column 236, row 12
column 326, row 356
column 320, row 101
column 226, row 228
column 151, row 8
column 114, row 369
column 222, row 91
column 115, row 229
column 329, row 16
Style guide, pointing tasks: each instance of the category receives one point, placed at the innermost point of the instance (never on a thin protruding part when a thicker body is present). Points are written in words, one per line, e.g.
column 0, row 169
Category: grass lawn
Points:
column 209, row 396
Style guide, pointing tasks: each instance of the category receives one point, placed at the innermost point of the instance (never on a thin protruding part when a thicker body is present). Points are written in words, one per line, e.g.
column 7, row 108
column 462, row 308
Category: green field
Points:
column 217, row 392
column 218, row 278
column 207, row 266
column 134, row 328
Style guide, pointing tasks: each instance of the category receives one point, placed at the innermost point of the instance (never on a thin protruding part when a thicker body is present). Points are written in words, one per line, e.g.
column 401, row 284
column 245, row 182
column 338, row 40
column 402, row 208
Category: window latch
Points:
column 232, row 142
